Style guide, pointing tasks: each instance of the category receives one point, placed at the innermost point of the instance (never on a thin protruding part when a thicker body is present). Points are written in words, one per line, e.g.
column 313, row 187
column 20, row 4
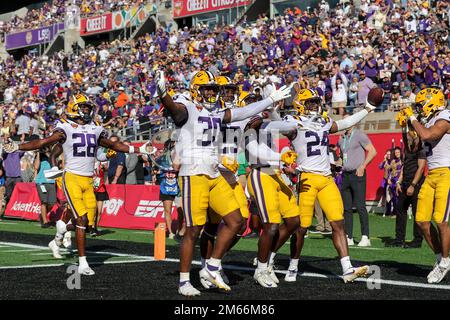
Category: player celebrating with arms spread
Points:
column 434, row 195
column 202, row 185
column 80, row 137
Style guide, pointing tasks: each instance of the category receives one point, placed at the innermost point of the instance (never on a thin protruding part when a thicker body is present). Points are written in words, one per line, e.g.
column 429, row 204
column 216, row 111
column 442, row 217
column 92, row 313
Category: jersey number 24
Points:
column 314, row 142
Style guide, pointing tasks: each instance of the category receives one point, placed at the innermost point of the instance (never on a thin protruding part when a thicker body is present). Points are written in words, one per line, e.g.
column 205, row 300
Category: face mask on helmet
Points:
column 209, row 94
column 313, row 106
column 229, row 95
column 86, row 112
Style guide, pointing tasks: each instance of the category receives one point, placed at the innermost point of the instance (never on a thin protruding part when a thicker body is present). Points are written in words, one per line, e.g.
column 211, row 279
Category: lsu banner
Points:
column 184, row 8
column 134, row 16
column 24, row 202
column 32, row 37
column 98, row 24
column 133, row 207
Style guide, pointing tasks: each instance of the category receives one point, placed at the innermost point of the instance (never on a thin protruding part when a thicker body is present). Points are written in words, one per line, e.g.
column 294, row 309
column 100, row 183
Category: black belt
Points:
column 349, row 172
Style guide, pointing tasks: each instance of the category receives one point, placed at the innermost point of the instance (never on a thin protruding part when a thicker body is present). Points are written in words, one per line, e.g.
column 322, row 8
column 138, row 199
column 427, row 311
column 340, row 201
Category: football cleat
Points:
column 291, row 275
column 86, row 270
column 354, row 273
column 438, row 274
column 186, row 289
column 67, row 240
column 263, row 278
column 206, row 283
column 215, row 278
column 436, row 265
column 272, row 274
column 55, row 249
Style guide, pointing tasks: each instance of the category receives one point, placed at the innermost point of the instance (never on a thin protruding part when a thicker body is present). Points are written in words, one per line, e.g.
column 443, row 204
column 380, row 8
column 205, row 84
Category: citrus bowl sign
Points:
column 184, row 8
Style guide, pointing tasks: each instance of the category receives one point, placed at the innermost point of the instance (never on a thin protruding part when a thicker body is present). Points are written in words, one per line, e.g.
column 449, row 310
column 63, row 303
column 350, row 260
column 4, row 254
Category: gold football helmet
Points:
column 428, row 101
column 308, row 102
column 228, row 92
column 76, row 105
column 204, row 89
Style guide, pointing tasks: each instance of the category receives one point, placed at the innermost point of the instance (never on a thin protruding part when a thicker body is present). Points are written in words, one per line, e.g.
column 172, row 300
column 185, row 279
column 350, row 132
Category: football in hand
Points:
column 375, row 96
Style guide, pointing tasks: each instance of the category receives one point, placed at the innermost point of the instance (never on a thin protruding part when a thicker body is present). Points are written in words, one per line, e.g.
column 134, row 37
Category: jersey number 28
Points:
column 84, row 145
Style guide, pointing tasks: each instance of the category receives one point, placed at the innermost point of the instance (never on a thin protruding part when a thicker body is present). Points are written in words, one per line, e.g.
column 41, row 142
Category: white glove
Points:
column 161, row 84
column 143, row 149
column 10, row 147
column 52, row 173
column 283, row 93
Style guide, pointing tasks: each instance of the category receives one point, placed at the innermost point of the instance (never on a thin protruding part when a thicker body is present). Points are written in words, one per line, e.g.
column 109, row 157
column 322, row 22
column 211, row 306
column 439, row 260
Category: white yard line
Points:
column 18, row 251
column 226, row 266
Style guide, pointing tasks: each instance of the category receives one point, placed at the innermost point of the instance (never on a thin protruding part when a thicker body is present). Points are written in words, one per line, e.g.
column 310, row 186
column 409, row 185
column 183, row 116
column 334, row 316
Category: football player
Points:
column 311, row 128
column 433, row 127
column 199, row 120
column 275, row 200
column 80, row 137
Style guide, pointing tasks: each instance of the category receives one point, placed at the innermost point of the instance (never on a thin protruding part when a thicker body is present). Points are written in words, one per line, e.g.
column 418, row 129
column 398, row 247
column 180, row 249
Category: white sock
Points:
column 293, row 264
column 58, row 237
column 184, row 277
column 438, row 258
column 272, row 258
column 262, row 265
column 83, row 262
column 215, row 262
column 445, row 262
column 346, row 264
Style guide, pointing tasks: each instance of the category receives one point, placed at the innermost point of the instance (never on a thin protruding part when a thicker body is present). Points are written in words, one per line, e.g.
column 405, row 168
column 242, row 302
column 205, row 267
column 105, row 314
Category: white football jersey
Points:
column 80, row 146
column 199, row 140
column 312, row 148
column 438, row 151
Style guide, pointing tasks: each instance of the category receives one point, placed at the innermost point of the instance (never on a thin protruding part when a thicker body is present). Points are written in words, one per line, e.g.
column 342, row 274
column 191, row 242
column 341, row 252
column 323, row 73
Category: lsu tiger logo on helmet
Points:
column 228, row 92
column 428, row 101
column 76, row 105
column 204, row 89
column 308, row 102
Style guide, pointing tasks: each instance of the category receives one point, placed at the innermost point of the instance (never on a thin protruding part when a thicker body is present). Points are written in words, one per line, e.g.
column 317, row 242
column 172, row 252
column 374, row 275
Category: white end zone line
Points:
column 136, row 259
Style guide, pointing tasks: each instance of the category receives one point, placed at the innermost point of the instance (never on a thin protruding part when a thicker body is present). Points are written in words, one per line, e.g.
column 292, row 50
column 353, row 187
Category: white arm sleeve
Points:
column 282, row 126
column 262, row 152
column 101, row 155
column 274, row 115
column 352, row 120
column 250, row 110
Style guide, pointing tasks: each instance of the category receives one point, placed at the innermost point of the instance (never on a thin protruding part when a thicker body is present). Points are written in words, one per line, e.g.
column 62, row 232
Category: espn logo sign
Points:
column 149, row 209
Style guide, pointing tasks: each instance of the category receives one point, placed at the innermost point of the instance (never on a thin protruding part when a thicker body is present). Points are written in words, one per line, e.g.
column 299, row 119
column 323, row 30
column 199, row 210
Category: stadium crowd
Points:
column 53, row 12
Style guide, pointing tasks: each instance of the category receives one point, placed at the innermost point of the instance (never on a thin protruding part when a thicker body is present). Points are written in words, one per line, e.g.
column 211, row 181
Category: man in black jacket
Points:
column 408, row 186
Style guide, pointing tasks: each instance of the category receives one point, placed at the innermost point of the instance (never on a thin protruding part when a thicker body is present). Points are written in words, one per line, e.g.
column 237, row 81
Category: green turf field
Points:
column 316, row 245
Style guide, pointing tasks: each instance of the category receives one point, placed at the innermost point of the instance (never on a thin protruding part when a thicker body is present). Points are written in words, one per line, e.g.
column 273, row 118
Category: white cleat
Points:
column 350, row 241
column 355, row 272
column 86, row 270
column 264, row 279
column 438, row 274
column 291, row 275
column 215, row 278
column 272, row 275
column 206, row 283
column 67, row 240
column 255, row 262
column 365, row 242
column 55, row 249
column 436, row 265
column 188, row 290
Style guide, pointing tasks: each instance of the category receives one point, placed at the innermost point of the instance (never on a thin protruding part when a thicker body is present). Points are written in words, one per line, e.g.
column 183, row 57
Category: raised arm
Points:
column 252, row 109
column 177, row 111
